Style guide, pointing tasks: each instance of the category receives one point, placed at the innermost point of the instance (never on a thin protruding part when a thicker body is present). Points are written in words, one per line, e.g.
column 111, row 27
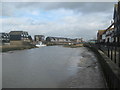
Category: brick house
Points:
column 100, row 36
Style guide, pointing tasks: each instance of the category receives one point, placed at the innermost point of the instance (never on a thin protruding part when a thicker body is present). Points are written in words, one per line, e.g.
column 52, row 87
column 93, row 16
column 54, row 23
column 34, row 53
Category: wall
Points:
column 110, row 70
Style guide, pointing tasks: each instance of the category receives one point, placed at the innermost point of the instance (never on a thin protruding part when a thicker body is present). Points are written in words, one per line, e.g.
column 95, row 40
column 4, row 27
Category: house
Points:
column 112, row 33
column 101, row 36
column 4, row 38
column 92, row 41
column 77, row 40
column 109, row 35
column 60, row 39
column 68, row 40
column 117, row 23
column 30, row 38
column 50, row 39
column 38, row 38
column 106, row 36
column 19, row 38
column 57, row 39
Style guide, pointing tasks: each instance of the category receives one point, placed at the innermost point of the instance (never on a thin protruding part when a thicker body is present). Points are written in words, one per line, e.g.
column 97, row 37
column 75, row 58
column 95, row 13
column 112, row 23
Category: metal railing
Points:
column 109, row 58
column 112, row 50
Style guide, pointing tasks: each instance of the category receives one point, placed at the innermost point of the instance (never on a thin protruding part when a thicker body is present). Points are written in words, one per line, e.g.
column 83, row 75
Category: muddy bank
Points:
column 89, row 73
column 73, row 45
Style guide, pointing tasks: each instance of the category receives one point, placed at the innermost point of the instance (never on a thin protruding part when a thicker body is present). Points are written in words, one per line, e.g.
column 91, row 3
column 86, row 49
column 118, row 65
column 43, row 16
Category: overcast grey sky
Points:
column 65, row 19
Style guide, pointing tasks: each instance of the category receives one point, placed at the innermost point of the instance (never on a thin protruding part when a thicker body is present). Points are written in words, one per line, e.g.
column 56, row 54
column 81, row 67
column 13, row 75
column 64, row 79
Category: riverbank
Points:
column 74, row 45
column 6, row 48
column 66, row 45
column 89, row 74
column 110, row 70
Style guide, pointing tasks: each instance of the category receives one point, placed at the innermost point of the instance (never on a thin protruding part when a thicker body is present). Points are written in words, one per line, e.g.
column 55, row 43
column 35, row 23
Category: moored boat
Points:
column 40, row 44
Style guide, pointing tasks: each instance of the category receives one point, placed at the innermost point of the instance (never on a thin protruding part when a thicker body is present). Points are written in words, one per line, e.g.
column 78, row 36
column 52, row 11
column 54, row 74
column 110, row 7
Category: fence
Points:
column 112, row 50
column 110, row 61
column 110, row 67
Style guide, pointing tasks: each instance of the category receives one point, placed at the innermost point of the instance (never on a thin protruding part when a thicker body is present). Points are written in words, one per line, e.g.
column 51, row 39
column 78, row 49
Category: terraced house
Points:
column 110, row 38
column 4, row 38
column 57, row 39
column 19, row 38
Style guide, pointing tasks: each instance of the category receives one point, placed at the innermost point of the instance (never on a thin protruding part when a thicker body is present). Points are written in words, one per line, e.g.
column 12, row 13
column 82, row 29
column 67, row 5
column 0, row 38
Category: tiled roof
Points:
column 17, row 32
column 100, row 32
column 58, row 37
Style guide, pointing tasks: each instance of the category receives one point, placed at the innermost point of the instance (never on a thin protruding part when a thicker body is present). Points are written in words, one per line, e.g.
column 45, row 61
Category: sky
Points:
column 59, row 19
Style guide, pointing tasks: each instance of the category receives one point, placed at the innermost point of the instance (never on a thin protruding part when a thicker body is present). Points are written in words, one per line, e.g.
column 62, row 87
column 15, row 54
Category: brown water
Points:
column 45, row 67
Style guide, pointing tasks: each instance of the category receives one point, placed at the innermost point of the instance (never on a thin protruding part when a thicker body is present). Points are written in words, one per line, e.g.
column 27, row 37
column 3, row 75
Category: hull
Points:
column 40, row 45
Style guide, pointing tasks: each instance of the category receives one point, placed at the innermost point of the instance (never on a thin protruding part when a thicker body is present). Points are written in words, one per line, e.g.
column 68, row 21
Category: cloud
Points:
column 57, row 19
column 68, row 26
column 84, row 7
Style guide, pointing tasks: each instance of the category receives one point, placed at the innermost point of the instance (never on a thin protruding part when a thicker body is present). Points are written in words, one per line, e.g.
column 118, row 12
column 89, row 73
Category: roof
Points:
column 57, row 37
column 17, row 32
column 110, row 29
column 39, row 35
column 2, row 33
column 100, row 32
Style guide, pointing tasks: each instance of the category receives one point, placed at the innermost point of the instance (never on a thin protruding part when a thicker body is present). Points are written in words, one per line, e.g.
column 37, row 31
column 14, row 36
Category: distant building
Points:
column 38, row 38
column 18, row 35
column 63, row 40
column 4, row 38
column 77, row 40
column 92, row 41
column 30, row 38
column 19, row 38
column 51, row 39
column 57, row 39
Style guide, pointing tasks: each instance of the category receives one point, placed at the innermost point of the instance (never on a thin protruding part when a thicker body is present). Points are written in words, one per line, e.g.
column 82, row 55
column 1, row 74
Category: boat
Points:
column 40, row 44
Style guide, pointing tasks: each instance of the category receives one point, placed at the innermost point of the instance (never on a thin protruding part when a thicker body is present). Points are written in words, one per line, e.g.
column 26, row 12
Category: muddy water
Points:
column 51, row 67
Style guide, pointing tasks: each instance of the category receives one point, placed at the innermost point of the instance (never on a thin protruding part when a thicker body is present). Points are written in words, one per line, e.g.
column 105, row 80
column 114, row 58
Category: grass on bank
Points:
column 6, row 48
